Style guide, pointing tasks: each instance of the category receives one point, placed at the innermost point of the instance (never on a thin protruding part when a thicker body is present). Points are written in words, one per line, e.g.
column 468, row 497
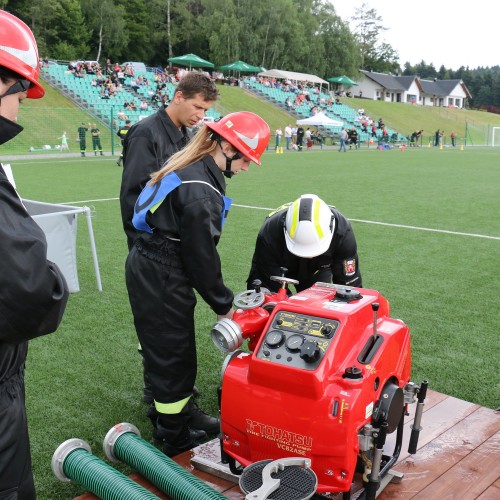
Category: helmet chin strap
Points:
column 229, row 159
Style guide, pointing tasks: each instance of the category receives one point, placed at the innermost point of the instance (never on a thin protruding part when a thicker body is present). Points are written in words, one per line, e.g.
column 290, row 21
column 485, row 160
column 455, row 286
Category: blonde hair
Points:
column 199, row 146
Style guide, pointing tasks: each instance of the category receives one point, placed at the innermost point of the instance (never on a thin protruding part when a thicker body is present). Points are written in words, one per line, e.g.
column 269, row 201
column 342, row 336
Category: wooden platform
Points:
column 458, row 457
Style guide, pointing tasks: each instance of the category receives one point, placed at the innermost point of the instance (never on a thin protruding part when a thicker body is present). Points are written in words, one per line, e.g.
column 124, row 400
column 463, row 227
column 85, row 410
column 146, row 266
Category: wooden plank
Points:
column 492, row 493
column 458, row 457
column 435, row 421
column 470, row 477
column 443, row 453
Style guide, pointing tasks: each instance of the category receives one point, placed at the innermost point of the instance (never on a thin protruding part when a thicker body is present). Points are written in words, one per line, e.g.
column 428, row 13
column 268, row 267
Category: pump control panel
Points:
column 297, row 340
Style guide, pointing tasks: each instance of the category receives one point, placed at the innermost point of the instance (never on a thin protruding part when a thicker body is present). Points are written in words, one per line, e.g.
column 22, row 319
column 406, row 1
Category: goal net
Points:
column 495, row 136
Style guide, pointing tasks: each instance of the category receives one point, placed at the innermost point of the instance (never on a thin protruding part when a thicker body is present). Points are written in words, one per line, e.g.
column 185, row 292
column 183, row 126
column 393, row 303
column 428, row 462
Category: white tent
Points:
column 320, row 119
column 292, row 75
column 59, row 223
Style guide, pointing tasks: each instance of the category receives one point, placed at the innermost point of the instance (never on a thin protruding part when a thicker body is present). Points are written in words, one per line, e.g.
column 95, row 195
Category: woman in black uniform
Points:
column 181, row 213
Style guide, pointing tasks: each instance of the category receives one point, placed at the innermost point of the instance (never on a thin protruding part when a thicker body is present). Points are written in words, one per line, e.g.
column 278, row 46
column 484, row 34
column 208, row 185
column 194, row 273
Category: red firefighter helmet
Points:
column 19, row 52
column 246, row 131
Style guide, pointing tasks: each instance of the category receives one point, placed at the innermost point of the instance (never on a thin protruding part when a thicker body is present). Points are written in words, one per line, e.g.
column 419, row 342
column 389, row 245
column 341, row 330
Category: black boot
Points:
column 173, row 433
column 198, row 419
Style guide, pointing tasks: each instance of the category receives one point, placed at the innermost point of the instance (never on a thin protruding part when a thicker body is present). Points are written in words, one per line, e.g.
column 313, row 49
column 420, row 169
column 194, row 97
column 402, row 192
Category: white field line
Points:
column 402, row 226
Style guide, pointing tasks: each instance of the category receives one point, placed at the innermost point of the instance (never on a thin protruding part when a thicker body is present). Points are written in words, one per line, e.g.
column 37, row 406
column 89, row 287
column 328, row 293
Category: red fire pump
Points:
column 328, row 377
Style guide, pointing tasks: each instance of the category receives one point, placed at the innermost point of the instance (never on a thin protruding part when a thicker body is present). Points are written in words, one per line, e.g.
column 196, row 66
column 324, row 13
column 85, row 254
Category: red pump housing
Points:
column 327, row 365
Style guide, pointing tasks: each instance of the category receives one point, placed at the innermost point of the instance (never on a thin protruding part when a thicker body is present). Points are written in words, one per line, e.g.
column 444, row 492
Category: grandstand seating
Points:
column 341, row 112
column 89, row 97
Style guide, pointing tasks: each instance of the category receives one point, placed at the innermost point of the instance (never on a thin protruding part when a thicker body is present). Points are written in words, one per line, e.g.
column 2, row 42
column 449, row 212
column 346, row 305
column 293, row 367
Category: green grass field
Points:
column 428, row 233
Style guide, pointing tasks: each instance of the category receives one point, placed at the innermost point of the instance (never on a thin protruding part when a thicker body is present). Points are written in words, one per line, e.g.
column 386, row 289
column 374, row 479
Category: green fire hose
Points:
column 73, row 461
column 123, row 442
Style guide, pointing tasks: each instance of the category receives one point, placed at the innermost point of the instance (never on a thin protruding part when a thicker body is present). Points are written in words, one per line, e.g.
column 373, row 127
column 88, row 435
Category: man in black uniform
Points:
column 300, row 137
column 146, row 147
column 151, row 142
column 82, row 137
column 33, row 292
column 312, row 240
column 96, row 140
column 353, row 138
column 121, row 133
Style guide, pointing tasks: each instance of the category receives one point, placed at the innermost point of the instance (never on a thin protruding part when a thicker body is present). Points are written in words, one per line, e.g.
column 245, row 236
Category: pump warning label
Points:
column 290, row 442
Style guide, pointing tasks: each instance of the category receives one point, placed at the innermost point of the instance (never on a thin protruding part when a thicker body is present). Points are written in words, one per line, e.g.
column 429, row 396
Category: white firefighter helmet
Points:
column 309, row 226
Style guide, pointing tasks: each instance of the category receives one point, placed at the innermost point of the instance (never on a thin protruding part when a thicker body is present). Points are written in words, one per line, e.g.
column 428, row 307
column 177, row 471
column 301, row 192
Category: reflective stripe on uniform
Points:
column 171, row 408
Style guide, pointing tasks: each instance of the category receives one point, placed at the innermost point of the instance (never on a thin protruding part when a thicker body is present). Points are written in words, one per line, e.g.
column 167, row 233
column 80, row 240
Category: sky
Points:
column 441, row 32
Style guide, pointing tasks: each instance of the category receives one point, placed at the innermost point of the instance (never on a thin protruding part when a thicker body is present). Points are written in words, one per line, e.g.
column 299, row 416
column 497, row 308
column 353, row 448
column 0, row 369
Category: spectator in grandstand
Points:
column 96, row 140
column 105, row 92
column 312, row 240
column 33, row 291
column 385, row 134
column 143, row 106
column 82, row 137
column 121, row 115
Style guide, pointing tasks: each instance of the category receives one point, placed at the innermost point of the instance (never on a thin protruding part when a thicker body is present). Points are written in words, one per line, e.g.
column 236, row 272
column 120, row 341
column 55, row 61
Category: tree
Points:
column 222, row 26
column 342, row 55
column 107, row 24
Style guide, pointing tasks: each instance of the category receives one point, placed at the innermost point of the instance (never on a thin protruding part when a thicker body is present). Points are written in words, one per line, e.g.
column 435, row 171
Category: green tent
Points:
column 342, row 80
column 191, row 61
column 240, row 67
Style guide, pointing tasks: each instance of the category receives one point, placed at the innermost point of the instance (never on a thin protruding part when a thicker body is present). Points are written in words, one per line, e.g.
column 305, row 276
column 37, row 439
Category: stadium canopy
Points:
column 192, row 61
column 320, row 119
column 240, row 66
column 343, row 80
column 291, row 75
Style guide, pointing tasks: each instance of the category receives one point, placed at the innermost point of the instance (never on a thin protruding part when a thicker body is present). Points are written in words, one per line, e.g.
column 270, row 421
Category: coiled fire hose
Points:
column 123, row 443
column 73, row 461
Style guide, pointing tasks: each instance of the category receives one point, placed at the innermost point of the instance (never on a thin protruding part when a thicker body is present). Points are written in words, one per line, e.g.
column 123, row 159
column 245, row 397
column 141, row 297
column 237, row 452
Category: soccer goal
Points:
column 495, row 136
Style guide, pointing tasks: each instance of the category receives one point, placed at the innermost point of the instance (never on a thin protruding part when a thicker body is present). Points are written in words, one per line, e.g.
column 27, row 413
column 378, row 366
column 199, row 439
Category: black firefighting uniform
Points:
column 339, row 264
column 147, row 146
column 33, row 296
column 96, row 140
column 121, row 133
column 162, row 271
column 82, row 131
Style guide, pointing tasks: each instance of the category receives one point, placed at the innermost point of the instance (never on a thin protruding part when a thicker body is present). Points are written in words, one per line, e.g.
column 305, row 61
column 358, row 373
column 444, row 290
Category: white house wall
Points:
column 372, row 90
